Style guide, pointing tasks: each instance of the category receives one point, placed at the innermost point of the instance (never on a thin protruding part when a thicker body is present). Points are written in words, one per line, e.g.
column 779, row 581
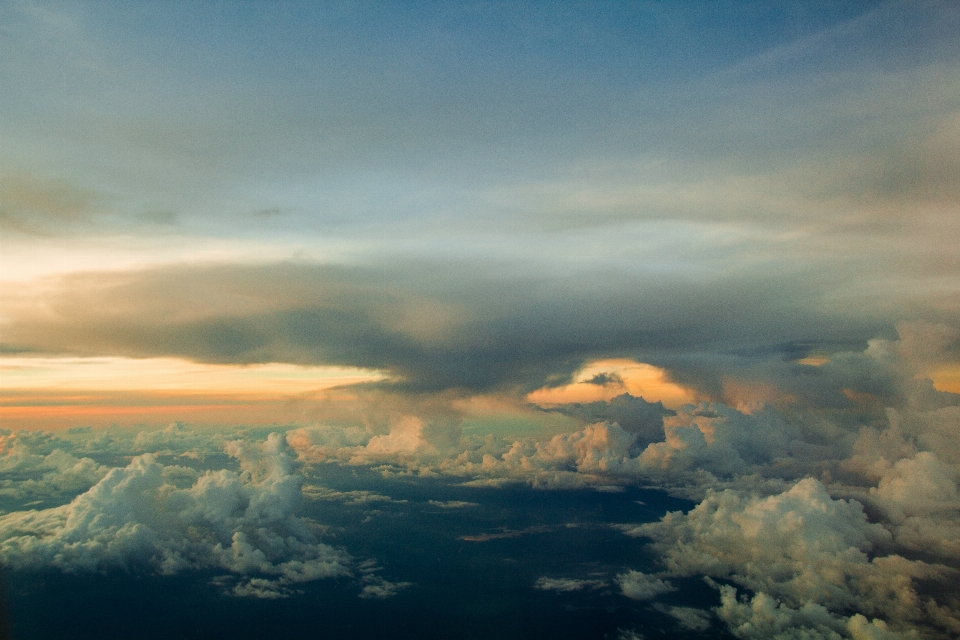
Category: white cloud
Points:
column 687, row 617
column 322, row 442
column 641, row 586
column 800, row 548
column 30, row 475
column 764, row 618
column 452, row 504
column 357, row 497
column 140, row 516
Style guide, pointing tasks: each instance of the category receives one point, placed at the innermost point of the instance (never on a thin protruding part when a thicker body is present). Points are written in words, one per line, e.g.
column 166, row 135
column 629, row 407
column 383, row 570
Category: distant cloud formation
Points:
column 565, row 585
column 171, row 518
column 640, row 586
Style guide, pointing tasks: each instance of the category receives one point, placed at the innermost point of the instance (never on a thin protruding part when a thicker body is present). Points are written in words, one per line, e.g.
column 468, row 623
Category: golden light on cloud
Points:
column 947, row 378
column 605, row 379
column 48, row 392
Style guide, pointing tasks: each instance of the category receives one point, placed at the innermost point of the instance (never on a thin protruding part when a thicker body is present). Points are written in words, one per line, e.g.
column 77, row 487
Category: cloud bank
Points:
column 169, row 519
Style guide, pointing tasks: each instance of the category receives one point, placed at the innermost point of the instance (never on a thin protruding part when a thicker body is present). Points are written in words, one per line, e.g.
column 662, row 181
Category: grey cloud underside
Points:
column 634, row 415
column 431, row 325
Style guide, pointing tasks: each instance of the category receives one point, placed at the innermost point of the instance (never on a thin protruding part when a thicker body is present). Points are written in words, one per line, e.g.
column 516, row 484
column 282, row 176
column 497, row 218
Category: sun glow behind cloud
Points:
column 605, row 379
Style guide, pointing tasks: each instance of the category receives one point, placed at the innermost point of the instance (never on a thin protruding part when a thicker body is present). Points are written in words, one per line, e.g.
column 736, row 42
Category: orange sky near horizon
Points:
column 57, row 393
column 53, row 393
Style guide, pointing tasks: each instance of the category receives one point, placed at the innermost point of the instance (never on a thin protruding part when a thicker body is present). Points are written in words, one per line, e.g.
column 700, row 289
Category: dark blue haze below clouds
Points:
column 461, row 589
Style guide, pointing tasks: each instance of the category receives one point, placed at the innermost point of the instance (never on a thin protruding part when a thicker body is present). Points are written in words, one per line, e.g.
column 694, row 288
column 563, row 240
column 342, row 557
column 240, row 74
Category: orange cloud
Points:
column 605, row 379
column 947, row 378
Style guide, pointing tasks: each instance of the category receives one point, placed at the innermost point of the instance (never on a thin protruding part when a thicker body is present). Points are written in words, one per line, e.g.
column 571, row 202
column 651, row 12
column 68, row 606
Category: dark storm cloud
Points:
column 432, row 325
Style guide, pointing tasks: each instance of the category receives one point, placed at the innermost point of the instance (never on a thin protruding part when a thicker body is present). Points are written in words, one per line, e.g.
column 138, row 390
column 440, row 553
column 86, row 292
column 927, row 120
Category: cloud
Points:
column 687, row 617
column 918, row 497
column 34, row 476
column 800, row 548
column 318, row 443
column 718, row 439
column 633, row 414
column 452, row 504
column 411, row 435
column 175, row 438
column 376, row 587
column 566, row 585
column 637, row 585
column 594, row 456
column 357, row 497
column 762, row 617
column 710, row 444
column 431, row 326
column 170, row 519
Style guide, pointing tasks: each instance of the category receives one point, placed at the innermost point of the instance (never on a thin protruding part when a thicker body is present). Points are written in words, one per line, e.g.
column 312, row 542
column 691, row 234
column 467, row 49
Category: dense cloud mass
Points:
column 431, row 325
column 802, row 553
column 26, row 473
column 170, row 518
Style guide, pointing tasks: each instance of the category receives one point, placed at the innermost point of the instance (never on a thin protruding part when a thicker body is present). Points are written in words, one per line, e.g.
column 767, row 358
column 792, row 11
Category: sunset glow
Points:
column 606, row 379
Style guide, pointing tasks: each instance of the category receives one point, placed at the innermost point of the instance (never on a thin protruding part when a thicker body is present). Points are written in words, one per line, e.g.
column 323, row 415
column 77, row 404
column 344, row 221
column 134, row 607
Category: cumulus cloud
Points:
column 28, row 475
column 718, row 439
column 175, row 438
column 170, row 519
column 641, row 586
column 322, row 442
column 799, row 548
column 763, row 618
column 916, row 494
column 411, row 435
column 633, row 414
column 592, row 456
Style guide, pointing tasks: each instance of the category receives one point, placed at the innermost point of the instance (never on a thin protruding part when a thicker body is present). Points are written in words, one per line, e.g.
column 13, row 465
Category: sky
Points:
column 703, row 247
